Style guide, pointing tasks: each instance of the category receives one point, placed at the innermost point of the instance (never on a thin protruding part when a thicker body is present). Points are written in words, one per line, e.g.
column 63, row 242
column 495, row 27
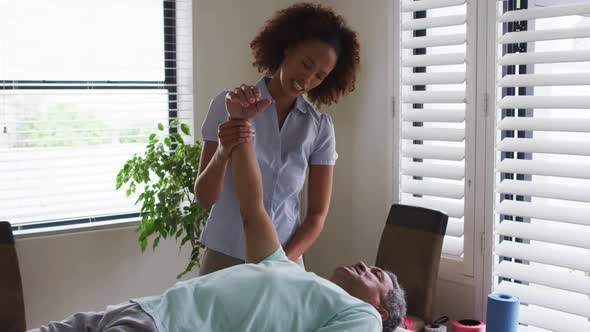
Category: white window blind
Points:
column 83, row 83
column 437, row 101
column 542, row 205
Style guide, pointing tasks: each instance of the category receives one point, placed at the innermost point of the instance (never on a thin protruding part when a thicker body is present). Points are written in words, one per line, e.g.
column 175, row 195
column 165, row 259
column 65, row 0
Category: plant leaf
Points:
column 178, row 138
column 155, row 244
column 185, row 129
column 153, row 138
column 143, row 244
column 160, row 126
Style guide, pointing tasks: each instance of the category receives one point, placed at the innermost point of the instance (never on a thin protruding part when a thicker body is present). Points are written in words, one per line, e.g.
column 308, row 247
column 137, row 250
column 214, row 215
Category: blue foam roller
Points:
column 502, row 313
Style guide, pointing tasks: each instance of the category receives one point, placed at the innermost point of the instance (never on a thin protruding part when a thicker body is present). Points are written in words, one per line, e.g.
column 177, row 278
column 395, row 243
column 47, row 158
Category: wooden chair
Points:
column 410, row 247
column 12, row 306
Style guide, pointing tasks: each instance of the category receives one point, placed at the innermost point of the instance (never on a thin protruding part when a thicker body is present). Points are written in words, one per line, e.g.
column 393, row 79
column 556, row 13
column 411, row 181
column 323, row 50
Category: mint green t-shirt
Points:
column 273, row 295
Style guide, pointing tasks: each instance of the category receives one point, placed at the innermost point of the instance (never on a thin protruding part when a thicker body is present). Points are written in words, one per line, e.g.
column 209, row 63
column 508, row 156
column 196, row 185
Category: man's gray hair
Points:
column 395, row 303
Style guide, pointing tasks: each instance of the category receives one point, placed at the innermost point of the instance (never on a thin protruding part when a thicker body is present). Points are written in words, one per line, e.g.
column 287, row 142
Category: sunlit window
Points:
column 83, row 83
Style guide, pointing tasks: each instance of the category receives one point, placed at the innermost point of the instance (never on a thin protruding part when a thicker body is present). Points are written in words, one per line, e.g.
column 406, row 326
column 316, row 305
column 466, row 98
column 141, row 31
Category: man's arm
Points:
column 259, row 231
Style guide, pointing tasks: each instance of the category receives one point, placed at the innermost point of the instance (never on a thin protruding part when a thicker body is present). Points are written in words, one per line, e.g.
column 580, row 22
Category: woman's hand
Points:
column 244, row 102
column 232, row 133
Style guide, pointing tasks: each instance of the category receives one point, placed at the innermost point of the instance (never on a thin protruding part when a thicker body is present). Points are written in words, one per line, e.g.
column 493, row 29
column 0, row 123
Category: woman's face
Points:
column 306, row 66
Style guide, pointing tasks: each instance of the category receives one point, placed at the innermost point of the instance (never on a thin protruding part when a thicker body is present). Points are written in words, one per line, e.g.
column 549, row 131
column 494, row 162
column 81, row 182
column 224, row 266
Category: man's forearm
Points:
column 305, row 236
column 247, row 178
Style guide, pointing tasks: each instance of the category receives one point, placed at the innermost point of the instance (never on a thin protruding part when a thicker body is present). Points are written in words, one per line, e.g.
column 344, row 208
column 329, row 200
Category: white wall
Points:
column 86, row 271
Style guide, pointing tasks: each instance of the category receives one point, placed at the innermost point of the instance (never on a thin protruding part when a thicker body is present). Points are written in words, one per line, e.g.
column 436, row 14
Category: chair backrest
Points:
column 12, row 305
column 410, row 247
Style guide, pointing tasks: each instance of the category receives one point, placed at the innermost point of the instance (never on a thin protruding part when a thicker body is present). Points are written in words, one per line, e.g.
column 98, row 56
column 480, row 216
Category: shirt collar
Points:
column 300, row 102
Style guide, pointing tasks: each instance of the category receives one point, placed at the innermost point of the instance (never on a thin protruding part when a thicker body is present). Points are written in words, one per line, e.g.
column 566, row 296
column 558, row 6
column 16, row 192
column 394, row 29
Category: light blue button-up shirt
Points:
column 306, row 138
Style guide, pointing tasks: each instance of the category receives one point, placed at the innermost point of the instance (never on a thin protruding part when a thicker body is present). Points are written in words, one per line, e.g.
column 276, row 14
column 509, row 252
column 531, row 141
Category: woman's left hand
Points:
column 244, row 102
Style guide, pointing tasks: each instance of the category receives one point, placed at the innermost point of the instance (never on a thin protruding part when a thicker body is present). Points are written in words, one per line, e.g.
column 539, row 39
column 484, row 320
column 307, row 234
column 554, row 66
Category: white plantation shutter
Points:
column 437, row 101
column 82, row 84
column 542, row 206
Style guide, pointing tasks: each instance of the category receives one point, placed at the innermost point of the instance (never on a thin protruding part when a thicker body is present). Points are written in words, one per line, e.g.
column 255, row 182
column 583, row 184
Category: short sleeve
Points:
column 215, row 116
column 324, row 149
column 278, row 255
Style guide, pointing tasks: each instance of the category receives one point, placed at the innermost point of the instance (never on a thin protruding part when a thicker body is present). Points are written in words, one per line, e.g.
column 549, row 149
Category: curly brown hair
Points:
column 302, row 22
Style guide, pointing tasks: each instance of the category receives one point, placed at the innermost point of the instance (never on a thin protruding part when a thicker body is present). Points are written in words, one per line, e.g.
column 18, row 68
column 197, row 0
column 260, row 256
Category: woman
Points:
column 305, row 49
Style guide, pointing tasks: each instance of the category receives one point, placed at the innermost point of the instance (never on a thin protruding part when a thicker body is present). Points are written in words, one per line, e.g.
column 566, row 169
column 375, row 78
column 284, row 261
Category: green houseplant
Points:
column 165, row 175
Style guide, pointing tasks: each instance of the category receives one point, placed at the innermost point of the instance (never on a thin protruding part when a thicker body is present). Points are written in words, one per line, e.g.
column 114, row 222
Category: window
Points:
column 542, row 191
column 82, row 85
column 436, row 119
column 533, row 150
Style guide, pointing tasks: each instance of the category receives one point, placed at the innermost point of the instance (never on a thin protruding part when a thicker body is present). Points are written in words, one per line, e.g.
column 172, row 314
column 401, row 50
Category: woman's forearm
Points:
column 305, row 236
column 209, row 184
column 319, row 192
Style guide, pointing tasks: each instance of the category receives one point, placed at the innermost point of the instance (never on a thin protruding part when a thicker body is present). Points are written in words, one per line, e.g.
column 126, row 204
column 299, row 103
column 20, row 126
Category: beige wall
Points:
column 86, row 271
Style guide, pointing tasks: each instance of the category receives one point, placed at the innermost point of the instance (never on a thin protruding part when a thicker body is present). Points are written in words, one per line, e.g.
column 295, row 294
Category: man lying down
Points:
column 270, row 293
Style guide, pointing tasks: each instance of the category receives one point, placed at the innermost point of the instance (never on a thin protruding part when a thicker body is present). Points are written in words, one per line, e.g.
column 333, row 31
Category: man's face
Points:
column 367, row 283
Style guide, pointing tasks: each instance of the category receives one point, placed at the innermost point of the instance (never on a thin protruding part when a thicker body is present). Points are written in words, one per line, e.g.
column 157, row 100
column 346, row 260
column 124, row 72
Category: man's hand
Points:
column 231, row 133
column 244, row 102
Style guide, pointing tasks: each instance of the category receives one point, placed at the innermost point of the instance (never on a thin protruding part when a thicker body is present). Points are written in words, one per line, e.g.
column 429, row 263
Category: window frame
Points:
column 169, row 83
column 486, row 283
column 464, row 271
